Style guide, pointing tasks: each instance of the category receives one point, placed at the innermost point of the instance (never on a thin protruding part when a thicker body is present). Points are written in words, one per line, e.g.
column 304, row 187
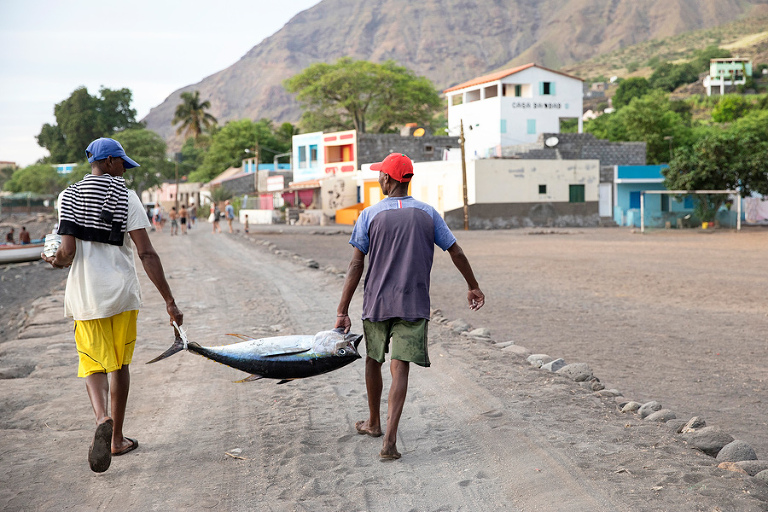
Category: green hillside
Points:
column 744, row 38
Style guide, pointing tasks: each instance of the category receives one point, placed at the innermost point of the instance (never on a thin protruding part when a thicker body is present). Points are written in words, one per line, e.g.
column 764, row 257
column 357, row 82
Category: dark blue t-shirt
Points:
column 399, row 234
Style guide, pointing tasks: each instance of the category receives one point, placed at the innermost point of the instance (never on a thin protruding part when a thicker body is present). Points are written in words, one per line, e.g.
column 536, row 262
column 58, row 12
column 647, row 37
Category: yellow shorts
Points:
column 105, row 344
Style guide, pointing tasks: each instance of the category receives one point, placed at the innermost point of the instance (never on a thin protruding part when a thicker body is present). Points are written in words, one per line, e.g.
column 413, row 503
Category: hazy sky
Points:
column 48, row 48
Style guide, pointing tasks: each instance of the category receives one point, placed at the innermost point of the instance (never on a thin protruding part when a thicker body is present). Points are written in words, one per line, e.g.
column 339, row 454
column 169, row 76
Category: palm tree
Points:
column 192, row 115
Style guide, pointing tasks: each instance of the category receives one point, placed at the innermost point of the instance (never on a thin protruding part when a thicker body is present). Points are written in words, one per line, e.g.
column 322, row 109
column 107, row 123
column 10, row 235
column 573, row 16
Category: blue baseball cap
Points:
column 104, row 147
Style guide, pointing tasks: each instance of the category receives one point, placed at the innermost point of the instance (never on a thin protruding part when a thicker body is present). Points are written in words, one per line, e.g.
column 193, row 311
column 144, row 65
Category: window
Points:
column 302, row 157
column 531, row 126
column 547, row 88
column 313, row 155
column 542, row 189
column 503, row 127
column 429, row 149
column 515, row 90
column 575, row 193
column 457, row 99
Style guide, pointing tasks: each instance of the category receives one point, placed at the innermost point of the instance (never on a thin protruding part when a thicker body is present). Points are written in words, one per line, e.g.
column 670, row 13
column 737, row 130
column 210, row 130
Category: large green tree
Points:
column 192, row 116
column 81, row 118
column 37, row 178
column 235, row 141
column 361, row 95
column 148, row 149
column 720, row 160
column 629, row 89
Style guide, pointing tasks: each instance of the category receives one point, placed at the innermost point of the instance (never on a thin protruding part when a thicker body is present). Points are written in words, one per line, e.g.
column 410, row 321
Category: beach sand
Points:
column 673, row 317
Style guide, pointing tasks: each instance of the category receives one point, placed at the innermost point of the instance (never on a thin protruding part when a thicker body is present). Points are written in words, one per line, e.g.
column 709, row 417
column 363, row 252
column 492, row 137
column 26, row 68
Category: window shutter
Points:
column 552, row 88
column 541, row 88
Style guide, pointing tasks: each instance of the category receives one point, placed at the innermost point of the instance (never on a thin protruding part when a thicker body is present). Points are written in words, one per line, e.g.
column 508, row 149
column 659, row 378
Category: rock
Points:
column 709, row 440
column 553, row 366
column 731, row 466
column 459, row 326
column 539, row 360
column 574, row 370
column 596, row 385
column 516, row 349
column 608, row 393
column 648, row 408
column 582, row 377
column 631, row 407
column 662, row 415
column 676, row 425
column 736, row 451
column 693, row 425
column 752, row 467
column 312, row 264
column 503, row 344
column 763, row 476
column 481, row 332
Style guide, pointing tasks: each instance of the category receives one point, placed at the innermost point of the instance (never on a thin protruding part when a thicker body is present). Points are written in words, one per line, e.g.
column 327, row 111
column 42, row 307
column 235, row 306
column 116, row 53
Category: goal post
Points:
column 737, row 193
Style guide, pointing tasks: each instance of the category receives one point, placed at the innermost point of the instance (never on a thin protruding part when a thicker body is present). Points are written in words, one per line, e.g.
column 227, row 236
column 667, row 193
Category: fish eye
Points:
column 342, row 351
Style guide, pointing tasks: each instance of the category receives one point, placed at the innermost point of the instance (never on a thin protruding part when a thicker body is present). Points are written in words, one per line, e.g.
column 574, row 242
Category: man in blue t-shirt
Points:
column 398, row 234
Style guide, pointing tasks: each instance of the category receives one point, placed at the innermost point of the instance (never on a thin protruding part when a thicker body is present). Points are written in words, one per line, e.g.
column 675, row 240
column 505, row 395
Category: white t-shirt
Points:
column 102, row 280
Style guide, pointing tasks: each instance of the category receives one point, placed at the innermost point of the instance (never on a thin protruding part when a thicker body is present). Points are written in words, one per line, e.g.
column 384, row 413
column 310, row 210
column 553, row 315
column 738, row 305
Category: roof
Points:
column 498, row 75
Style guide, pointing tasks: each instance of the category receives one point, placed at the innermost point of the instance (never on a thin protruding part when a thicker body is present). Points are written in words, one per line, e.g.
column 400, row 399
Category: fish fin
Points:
column 287, row 352
column 249, row 378
column 178, row 346
column 284, row 381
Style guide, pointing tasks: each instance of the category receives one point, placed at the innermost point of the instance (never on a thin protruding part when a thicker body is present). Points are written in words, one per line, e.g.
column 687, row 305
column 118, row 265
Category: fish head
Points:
column 337, row 343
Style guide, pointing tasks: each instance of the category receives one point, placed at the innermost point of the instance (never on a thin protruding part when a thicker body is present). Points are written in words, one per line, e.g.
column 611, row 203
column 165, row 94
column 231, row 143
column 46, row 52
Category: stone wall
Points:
column 521, row 215
column 580, row 146
column 374, row 147
column 242, row 185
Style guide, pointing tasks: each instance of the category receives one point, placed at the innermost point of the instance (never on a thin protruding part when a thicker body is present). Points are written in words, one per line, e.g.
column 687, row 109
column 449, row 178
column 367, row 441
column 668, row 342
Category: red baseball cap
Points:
column 397, row 166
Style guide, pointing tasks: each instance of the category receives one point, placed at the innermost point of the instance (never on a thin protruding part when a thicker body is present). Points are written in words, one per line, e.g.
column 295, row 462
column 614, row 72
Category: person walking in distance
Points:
column 398, row 234
column 230, row 211
column 183, row 214
column 173, row 215
column 100, row 221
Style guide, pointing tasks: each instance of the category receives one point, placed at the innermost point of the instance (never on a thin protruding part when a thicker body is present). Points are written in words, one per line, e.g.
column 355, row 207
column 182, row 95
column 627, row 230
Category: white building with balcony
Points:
column 726, row 73
column 512, row 107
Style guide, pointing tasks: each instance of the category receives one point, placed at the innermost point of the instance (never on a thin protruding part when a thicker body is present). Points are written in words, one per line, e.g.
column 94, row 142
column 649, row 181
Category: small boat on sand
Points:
column 10, row 253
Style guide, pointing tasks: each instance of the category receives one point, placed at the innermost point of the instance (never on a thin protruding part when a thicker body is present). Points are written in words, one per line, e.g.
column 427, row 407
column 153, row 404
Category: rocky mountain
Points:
column 448, row 41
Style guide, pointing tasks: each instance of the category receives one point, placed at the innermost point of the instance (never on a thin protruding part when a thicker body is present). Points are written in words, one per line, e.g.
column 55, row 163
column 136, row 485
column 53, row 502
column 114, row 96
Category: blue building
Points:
column 630, row 181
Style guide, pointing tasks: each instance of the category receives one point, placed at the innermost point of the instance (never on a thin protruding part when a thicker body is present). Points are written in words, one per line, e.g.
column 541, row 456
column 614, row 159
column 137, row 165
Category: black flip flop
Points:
column 100, row 452
column 133, row 446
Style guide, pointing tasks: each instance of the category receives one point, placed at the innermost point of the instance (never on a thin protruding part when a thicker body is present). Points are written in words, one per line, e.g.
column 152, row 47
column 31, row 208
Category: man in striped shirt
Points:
column 398, row 234
column 99, row 221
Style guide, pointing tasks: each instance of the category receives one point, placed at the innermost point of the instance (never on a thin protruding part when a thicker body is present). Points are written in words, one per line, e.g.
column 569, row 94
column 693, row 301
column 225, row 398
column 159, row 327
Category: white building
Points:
column 512, row 107
column 505, row 193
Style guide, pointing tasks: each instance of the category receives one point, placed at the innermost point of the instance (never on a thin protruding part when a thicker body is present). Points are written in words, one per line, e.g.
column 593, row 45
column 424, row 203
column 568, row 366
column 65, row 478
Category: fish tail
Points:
column 178, row 346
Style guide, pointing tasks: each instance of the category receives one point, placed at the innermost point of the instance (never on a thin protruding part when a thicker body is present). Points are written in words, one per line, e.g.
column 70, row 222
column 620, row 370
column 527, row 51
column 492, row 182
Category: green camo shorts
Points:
column 408, row 340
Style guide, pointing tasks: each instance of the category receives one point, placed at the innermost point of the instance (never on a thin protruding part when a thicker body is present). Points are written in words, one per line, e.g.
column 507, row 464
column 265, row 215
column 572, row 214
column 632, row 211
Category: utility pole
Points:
column 464, row 177
column 176, row 162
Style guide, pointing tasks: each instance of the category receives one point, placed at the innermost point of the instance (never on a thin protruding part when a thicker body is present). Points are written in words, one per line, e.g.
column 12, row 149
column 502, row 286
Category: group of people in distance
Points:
column 215, row 217
column 105, row 309
column 24, row 238
column 184, row 217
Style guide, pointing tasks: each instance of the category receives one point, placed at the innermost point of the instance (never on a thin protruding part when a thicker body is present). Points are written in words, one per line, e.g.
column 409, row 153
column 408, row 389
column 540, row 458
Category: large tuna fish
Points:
column 281, row 357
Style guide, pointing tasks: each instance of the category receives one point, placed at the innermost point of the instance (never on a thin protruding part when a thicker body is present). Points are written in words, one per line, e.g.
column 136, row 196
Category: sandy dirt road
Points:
column 481, row 430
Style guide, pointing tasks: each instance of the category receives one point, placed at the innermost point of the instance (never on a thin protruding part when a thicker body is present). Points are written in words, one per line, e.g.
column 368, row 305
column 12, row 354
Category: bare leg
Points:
column 97, row 385
column 121, row 383
column 374, row 385
column 99, row 456
column 397, row 392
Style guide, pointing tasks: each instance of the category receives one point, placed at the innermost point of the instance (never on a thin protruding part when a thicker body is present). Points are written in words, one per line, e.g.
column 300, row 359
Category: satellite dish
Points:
column 551, row 142
column 418, row 132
